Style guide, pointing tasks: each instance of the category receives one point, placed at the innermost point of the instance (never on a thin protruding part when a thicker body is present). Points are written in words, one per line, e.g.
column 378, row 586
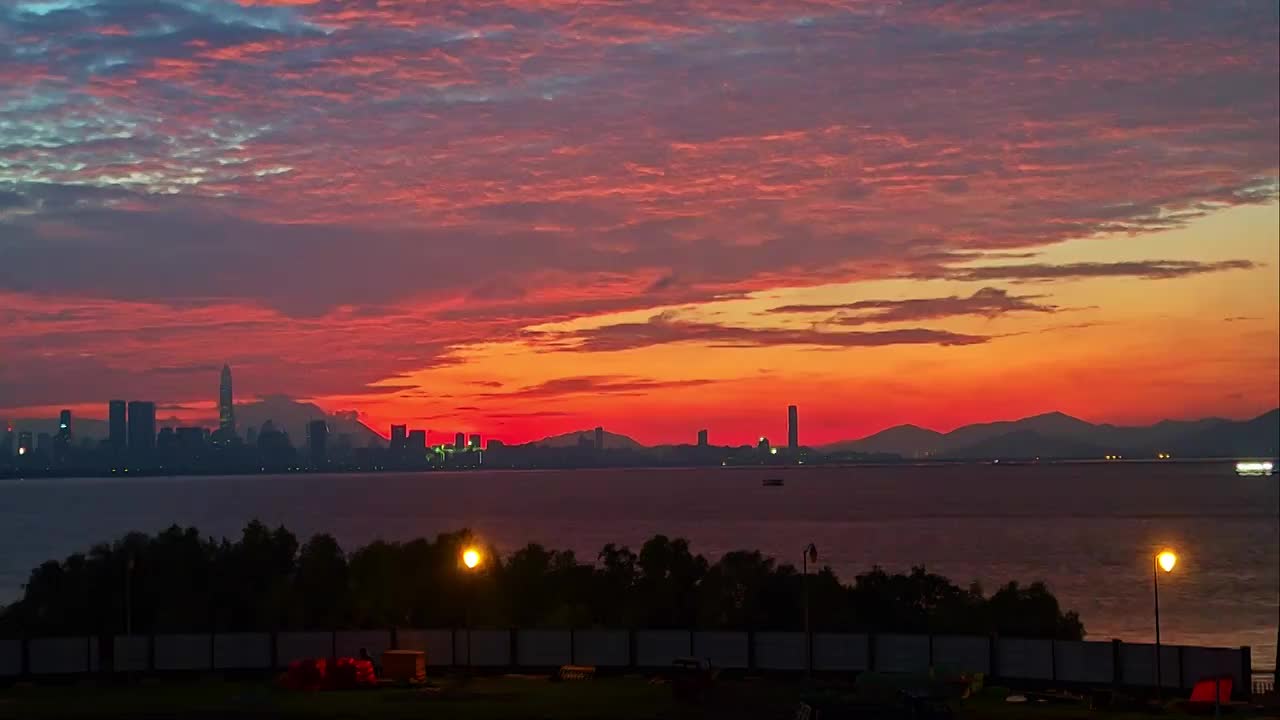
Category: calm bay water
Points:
column 1090, row 531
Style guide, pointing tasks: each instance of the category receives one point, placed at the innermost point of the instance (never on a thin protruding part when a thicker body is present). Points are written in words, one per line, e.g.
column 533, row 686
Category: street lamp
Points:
column 1165, row 561
column 810, row 556
column 472, row 558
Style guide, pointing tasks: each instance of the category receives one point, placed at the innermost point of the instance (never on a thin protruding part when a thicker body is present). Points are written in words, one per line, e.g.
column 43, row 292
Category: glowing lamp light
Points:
column 1167, row 560
column 773, row 451
column 22, row 451
column 471, row 558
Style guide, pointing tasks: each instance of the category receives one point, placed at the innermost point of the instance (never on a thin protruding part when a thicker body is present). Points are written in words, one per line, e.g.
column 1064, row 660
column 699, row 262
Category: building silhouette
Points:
column 318, row 442
column 226, row 404
column 44, row 442
column 793, row 429
column 117, row 433
column 62, row 441
column 702, row 438
column 763, row 445
column 460, row 442
column 190, row 440
column 6, row 443
column 399, row 437
column 474, row 442
column 166, row 440
column 599, row 438
column 417, row 443
column 142, row 426
column 25, row 445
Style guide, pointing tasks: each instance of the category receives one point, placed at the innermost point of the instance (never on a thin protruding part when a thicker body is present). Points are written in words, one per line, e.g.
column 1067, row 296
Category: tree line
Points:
column 179, row 581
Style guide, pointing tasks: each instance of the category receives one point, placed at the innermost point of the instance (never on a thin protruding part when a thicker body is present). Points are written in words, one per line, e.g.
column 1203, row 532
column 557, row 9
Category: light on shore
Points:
column 471, row 558
column 1167, row 560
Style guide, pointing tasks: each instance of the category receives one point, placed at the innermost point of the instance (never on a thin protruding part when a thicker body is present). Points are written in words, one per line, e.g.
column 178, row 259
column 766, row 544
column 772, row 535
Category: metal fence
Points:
column 1013, row 659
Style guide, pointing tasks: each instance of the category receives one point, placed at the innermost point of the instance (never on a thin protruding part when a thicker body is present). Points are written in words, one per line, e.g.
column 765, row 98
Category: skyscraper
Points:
column 417, row 443
column 62, row 441
column 475, row 441
column 399, row 433
column 318, row 442
column 460, row 442
column 25, row 446
column 702, row 438
column 142, row 426
column 117, row 436
column 793, row 430
column 226, row 404
column 599, row 438
column 6, row 443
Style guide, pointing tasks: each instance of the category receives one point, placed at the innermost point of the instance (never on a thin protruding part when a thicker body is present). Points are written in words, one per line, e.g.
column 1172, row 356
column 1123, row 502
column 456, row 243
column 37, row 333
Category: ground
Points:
column 629, row 698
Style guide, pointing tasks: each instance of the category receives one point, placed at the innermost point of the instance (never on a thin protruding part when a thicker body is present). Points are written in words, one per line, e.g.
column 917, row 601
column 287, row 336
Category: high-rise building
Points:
column 226, row 404
column 62, row 441
column 702, row 438
column 25, row 446
column 318, row 442
column 417, row 443
column 474, row 443
column 399, row 435
column 251, row 436
column 166, row 439
column 793, row 430
column 117, row 434
column 460, row 441
column 763, row 445
column 599, row 438
column 6, row 443
column 190, row 440
column 44, row 442
column 142, row 426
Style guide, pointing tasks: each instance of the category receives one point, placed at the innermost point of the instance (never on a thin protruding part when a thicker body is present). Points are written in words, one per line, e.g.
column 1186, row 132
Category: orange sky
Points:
column 525, row 217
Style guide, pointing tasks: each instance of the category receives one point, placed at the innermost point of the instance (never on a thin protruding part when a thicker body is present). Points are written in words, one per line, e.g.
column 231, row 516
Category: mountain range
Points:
column 1057, row 435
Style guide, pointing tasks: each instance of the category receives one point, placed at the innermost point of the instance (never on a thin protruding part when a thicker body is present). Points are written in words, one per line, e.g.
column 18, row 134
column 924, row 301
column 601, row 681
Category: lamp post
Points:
column 810, row 555
column 471, row 559
column 1165, row 561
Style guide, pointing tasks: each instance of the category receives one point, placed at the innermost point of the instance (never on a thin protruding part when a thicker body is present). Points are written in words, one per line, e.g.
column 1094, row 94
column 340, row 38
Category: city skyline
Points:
column 521, row 219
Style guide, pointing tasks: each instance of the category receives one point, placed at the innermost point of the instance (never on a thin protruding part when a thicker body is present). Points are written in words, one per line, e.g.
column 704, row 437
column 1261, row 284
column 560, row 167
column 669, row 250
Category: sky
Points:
column 525, row 217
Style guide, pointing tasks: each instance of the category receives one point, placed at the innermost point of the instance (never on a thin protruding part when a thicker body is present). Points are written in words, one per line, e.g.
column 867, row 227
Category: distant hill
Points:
column 909, row 441
column 287, row 414
column 1058, row 435
column 612, row 441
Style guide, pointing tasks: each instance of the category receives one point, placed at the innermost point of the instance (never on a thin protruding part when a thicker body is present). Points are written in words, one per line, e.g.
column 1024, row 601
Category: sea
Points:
column 1090, row 531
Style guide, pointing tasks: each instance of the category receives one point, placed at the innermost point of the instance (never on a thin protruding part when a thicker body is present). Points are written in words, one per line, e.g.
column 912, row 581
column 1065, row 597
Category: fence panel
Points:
column 1030, row 659
column 780, row 651
column 374, row 642
column 1084, row 662
column 10, row 657
column 1200, row 663
column 603, row 648
column 242, row 651
column 183, row 652
column 902, row 653
column 1138, row 665
column 293, row 646
column 131, row 653
column 59, row 656
column 657, row 648
column 437, row 644
column 723, row 649
column 489, row 648
column 839, row 651
column 962, row 653
column 543, row 648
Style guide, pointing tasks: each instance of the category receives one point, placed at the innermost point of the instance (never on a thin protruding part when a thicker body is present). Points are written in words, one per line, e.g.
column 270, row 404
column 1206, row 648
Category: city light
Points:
column 1255, row 468
column 1167, row 560
column 22, row 451
column 471, row 558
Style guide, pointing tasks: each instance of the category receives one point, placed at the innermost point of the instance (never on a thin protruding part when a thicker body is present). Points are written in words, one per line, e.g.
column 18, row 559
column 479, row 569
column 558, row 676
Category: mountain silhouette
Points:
column 612, row 441
column 1058, row 435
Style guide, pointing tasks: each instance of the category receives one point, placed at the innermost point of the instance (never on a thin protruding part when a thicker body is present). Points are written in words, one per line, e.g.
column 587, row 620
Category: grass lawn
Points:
column 630, row 698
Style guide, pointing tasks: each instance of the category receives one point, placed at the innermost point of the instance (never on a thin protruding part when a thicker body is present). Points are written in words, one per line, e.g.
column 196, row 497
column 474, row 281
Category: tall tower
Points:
column 226, row 405
column 118, row 426
column 793, row 431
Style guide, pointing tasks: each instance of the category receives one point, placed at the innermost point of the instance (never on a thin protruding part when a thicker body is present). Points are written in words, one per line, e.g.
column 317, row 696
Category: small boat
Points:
column 1254, row 468
column 772, row 482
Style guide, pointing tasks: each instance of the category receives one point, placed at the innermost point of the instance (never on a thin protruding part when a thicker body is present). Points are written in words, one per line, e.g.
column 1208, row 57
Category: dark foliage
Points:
column 266, row 581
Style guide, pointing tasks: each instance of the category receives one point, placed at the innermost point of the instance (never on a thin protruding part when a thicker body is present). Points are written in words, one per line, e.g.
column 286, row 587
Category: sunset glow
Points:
column 525, row 217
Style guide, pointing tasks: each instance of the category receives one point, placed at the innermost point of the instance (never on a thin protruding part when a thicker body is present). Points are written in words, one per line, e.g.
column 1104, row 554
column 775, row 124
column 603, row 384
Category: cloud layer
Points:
column 333, row 192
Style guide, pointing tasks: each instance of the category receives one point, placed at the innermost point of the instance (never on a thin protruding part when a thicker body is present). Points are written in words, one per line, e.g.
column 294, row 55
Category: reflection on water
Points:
column 1090, row 531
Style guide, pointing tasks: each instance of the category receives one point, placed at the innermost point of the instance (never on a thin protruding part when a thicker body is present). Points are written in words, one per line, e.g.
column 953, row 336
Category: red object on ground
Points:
column 1204, row 690
column 306, row 674
column 344, row 673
